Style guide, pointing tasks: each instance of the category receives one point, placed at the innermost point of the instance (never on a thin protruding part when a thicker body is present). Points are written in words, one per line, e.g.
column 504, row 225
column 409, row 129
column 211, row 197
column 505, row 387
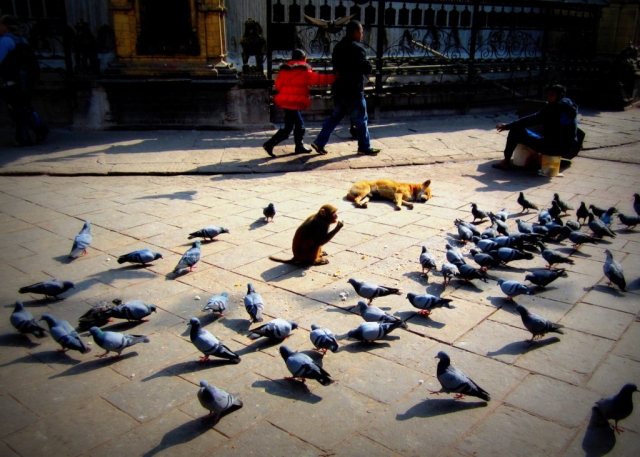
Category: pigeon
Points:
column 23, row 321
column 582, row 212
column 254, row 304
column 543, row 278
column 426, row 302
column 278, row 329
column 371, row 291
column 524, row 227
column 217, row 401
column 467, row 273
column 579, row 238
column 464, row 234
column 503, row 215
column 209, row 232
column 597, row 211
column 478, row 213
column 218, row 303
column 113, row 341
column 65, row 335
column 544, row 217
column 189, row 258
column 134, row 310
column 598, row 228
column 82, row 241
column 468, row 225
column 526, row 204
column 629, row 221
column 485, row 261
column 490, row 232
column 613, row 271
column 619, row 406
column 375, row 314
column 269, row 212
column 540, row 229
column 453, row 380
column 573, row 225
column 501, row 227
column 537, row 325
column 555, row 209
column 552, row 257
column 49, row 288
column 371, row 331
column 427, row 261
column 449, row 270
column 506, row 255
column 513, row 288
column 330, row 26
column 300, row 365
column 607, row 217
column 208, row 344
column 323, row 339
column 454, row 256
column 97, row 316
column 564, row 206
column 485, row 245
column 143, row 257
column 636, row 203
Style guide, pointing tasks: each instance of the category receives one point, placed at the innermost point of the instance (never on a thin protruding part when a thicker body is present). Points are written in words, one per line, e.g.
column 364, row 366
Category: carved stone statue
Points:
column 252, row 44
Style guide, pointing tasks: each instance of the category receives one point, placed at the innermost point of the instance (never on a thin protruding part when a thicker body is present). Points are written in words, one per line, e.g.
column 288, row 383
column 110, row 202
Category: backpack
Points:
column 21, row 65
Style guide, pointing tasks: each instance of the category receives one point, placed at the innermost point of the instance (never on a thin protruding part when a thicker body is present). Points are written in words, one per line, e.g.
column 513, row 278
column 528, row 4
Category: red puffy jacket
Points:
column 293, row 83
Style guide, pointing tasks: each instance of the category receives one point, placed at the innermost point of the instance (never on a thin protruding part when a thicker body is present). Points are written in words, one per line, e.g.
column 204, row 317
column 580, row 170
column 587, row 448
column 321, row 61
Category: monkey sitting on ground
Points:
column 312, row 234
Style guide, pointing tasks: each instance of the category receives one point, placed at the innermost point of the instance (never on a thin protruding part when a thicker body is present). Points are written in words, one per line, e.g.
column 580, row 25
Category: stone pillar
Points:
column 125, row 27
column 212, row 14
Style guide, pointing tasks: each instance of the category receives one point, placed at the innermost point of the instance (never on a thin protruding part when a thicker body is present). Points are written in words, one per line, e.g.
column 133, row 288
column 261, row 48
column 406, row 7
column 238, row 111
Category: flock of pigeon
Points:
column 496, row 246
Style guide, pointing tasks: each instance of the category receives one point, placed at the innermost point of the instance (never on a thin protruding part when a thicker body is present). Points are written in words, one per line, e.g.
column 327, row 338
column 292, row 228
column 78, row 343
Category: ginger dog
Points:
column 401, row 193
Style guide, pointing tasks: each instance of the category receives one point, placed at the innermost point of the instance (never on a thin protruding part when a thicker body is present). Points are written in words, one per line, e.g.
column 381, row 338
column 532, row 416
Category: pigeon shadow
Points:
column 262, row 343
column 520, row 347
column 573, row 252
column 634, row 285
column 599, row 438
column 95, row 364
column 118, row 326
column 610, row 290
column 358, row 346
column 435, row 288
column 257, row 223
column 182, row 434
column 188, row 366
column 500, row 302
column 438, row 407
column 48, row 357
column 18, row 340
column 63, row 259
column 419, row 319
column 184, row 195
column 469, row 285
column 238, row 325
column 288, row 388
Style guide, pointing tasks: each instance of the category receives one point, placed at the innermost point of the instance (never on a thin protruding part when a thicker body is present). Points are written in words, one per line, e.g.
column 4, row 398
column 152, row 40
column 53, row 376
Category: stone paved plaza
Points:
column 145, row 402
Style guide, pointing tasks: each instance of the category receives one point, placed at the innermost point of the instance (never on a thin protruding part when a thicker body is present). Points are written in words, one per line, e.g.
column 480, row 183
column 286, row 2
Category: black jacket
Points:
column 351, row 64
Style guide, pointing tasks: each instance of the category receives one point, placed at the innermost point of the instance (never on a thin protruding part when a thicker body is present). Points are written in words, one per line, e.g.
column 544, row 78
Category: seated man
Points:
column 559, row 129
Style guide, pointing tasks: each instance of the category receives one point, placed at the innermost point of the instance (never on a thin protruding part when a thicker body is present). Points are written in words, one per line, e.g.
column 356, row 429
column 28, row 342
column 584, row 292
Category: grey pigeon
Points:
column 468, row 225
column 97, row 316
column 464, row 234
column 503, row 215
column 208, row 344
column 485, row 261
column 134, row 310
column 573, row 225
column 525, row 203
column 544, row 217
column 371, row 291
column 427, row 302
column 23, row 321
column 579, row 238
column 506, row 255
column 636, row 203
column 485, row 245
column 323, row 339
column 543, row 278
column 65, row 335
column 372, row 313
column 619, row 406
column 113, row 341
column 371, row 331
column 269, row 212
column 524, row 227
column 513, row 288
column 218, row 303
column 254, row 304
column 209, row 232
column 142, row 256
column 555, row 209
column 598, row 227
column 189, row 258
column 597, row 211
column 217, row 401
column 49, row 288
column 564, row 206
column 454, row 256
column 81, row 242
column 449, row 270
column 490, row 232
column 582, row 213
column 607, row 217
column 613, row 271
column 537, row 325
column 453, row 380
column 501, row 227
column 468, row 273
column 302, row 366
column 478, row 213
column 552, row 257
column 629, row 221
column 278, row 329
column 427, row 261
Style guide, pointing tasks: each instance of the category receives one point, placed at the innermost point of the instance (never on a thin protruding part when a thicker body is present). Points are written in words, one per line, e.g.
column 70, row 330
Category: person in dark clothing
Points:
column 559, row 128
column 351, row 65
column 18, row 85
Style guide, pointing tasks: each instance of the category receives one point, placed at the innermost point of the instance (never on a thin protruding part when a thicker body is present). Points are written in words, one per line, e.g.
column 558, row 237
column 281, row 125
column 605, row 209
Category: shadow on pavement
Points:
column 91, row 365
column 419, row 319
column 610, row 290
column 437, row 407
column 185, row 195
column 184, row 433
column 599, row 438
column 288, row 388
column 188, row 366
column 520, row 347
column 18, row 340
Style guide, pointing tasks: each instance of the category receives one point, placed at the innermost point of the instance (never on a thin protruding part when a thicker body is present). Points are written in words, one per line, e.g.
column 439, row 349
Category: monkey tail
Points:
column 291, row 261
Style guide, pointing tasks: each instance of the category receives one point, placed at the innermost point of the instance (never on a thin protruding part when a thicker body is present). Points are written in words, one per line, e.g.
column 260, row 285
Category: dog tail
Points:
column 291, row 261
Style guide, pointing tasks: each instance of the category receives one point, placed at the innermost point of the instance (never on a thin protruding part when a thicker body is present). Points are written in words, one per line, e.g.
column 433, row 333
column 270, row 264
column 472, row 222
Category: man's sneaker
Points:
column 369, row 152
column 268, row 146
column 319, row 149
column 302, row 149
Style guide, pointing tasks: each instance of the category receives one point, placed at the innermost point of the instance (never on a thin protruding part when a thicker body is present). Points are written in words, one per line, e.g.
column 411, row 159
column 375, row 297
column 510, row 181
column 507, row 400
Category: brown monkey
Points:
column 312, row 234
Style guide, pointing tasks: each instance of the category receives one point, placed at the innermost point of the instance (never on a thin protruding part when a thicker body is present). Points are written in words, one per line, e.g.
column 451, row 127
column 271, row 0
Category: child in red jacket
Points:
column 292, row 85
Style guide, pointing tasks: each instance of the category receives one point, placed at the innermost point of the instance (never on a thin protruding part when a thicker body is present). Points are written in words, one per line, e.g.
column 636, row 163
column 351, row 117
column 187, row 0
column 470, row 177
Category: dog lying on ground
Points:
column 401, row 193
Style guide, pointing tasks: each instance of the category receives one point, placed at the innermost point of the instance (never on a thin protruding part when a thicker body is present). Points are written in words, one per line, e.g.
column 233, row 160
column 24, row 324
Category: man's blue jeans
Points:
column 528, row 138
column 356, row 109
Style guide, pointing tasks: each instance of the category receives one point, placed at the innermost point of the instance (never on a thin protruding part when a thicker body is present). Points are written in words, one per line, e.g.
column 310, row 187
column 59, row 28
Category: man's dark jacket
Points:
column 351, row 64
